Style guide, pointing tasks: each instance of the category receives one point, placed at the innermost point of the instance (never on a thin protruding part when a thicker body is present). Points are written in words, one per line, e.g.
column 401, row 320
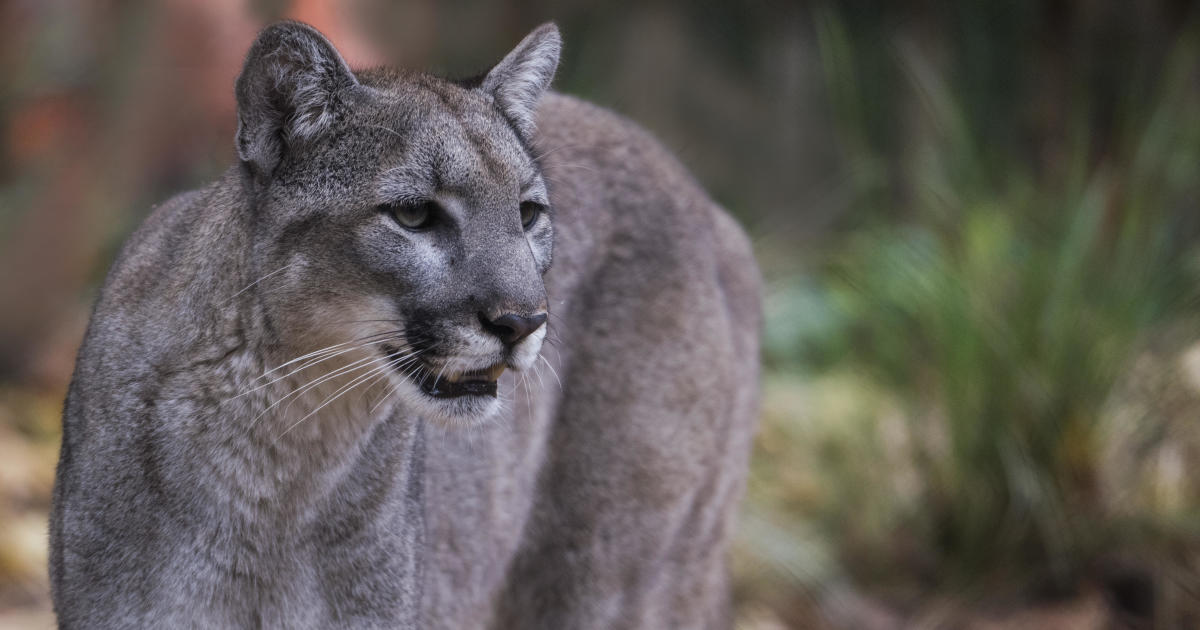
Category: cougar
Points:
column 430, row 354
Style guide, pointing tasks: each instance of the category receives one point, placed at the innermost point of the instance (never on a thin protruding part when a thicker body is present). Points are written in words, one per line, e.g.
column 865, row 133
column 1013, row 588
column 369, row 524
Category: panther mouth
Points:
column 440, row 383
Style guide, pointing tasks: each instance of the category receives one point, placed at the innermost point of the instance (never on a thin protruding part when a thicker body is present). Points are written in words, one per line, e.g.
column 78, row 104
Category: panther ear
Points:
column 518, row 81
column 287, row 93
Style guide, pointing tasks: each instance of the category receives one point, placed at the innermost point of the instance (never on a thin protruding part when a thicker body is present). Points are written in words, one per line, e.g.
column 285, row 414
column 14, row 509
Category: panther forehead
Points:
column 450, row 126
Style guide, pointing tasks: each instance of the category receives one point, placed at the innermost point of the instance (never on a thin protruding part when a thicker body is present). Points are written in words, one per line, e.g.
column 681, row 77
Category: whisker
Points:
column 410, row 373
column 558, row 165
column 565, row 145
column 298, row 370
column 557, row 354
column 247, row 287
column 403, row 362
column 296, row 393
column 387, row 129
column 406, row 375
column 327, row 354
column 322, row 351
column 332, row 354
column 387, row 394
column 367, row 388
column 337, row 394
column 556, row 317
column 345, row 369
column 389, row 362
column 439, row 375
column 528, row 396
column 552, row 371
column 538, row 372
column 334, row 346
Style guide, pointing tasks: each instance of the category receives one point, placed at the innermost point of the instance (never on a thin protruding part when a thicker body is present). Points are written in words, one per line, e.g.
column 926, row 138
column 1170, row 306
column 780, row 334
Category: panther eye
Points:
column 412, row 215
column 530, row 211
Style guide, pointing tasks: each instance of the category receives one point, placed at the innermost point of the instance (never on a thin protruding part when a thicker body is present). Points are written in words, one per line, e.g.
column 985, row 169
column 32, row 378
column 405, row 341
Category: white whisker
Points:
column 296, row 393
column 528, row 396
column 558, row 165
column 538, row 373
column 337, row 394
column 303, row 367
column 247, row 287
column 387, row 365
column 407, row 375
column 387, row 129
column 360, row 341
column 567, row 145
column 439, row 375
column 383, row 375
column 324, row 350
column 553, row 371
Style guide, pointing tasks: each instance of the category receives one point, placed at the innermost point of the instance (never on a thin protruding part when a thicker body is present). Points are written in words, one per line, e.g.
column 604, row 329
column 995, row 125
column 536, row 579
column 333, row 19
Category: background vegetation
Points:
column 978, row 223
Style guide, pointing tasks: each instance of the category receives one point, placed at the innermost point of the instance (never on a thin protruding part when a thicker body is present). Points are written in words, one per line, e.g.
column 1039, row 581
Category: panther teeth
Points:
column 438, row 384
column 488, row 374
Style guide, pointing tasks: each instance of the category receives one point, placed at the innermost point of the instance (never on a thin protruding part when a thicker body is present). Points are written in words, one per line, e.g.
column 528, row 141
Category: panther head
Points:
column 405, row 215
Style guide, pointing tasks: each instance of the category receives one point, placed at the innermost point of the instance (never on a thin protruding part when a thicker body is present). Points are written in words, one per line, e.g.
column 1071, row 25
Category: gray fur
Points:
column 597, row 493
column 519, row 80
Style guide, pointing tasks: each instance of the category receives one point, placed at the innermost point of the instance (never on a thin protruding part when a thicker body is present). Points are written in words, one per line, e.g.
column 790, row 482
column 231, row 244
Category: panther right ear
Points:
column 288, row 93
column 520, row 79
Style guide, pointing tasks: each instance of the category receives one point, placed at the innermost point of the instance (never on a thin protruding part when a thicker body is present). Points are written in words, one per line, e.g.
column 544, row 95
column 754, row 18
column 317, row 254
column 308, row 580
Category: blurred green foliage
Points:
column 992, row 294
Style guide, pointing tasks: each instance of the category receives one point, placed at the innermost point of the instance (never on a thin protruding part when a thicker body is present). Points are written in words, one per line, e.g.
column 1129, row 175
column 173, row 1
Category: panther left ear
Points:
column 520, row 79
column 288, row 93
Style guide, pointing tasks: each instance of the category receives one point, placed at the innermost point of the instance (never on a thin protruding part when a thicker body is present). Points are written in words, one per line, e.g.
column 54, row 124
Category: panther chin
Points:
column 454, row 397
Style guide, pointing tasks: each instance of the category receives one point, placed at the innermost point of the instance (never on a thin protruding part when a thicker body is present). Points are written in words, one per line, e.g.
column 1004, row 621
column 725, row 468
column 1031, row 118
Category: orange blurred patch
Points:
column 43, row 126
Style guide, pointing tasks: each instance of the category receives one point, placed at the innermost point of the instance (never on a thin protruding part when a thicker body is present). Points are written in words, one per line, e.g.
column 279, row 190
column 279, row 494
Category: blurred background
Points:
column 977, row 222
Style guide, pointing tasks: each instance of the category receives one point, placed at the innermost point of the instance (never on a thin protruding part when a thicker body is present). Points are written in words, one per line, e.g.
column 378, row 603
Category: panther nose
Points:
column 510, row 327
